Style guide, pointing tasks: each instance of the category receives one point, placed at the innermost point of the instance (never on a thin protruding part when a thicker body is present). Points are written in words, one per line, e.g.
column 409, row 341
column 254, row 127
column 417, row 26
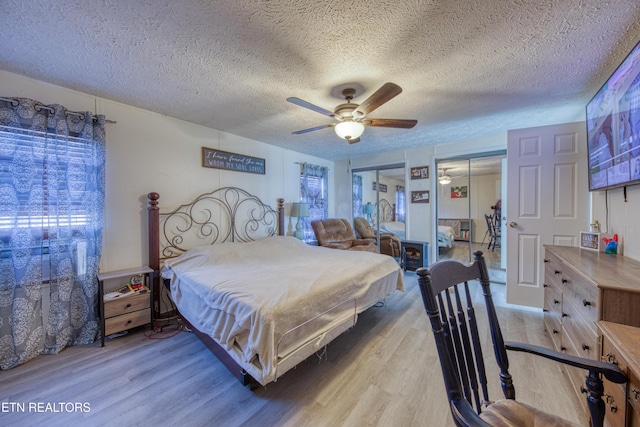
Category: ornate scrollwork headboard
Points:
column 386, row 211
column 228, row 214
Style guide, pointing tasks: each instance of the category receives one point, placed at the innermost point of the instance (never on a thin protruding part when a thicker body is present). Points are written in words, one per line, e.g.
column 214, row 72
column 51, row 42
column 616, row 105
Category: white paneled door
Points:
column 547, row 197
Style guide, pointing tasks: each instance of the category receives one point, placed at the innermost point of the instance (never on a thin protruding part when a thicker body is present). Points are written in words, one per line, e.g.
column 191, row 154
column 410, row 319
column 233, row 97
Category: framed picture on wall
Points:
column 459, row 192
column 379, row 187
column 420, row 172
column 420, row 196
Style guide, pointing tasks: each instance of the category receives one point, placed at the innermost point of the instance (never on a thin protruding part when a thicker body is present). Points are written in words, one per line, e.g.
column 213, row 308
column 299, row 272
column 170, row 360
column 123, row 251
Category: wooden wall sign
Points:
column 218, row 159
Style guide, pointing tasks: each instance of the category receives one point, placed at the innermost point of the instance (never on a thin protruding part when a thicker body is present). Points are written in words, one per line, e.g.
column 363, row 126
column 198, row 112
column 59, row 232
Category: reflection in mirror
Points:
column 379, row 197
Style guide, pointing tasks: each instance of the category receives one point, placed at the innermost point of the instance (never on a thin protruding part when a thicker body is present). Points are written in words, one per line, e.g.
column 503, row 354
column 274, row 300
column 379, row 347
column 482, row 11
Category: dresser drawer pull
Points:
column 544, row 285
column 607, row 397
column 556, row 272
column 555, row 301
column 563, row 348
column 565, row 315
column 129, row 321
column 555, row 331
column 636, row 394
column 546, row 260
column 127, row 306
column 611, row 358
column 585, row 347
column 613, row 408
column 585, row 302
column 583, row 390
column 565, row 281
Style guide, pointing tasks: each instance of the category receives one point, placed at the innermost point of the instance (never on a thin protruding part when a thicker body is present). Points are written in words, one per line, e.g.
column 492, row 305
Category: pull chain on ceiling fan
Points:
column 352, row 118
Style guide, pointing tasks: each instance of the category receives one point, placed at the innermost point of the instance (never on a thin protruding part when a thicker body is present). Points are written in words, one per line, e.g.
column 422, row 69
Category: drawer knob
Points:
column 565, row 315
column 563, row 348
column 544, row 285
column 613, row 408
column 555, row 331
column 128, row 322
column 555, row 301
column 127, row 306
column 636, row 394
column 556, row 271
column 583, row 390
column 611, row 358
column 585, row 347
column 585, row 302
column 565, row 281
column 546, row 260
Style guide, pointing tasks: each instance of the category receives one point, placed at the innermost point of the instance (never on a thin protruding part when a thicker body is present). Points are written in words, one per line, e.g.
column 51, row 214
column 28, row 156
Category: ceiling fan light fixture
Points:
column 444, row 179
column 349, row 129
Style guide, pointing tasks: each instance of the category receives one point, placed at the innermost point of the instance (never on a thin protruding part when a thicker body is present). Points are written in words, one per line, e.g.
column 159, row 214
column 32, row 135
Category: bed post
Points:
column 280, row 217
column 154, row 251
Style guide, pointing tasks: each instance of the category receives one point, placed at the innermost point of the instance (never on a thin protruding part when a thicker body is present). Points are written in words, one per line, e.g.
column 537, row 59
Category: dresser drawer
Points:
column 127, row 321
column 581, row 331
column 614, row 394
column 634, row 392
column 553, row 314
column 581, row 294
column 123, row 305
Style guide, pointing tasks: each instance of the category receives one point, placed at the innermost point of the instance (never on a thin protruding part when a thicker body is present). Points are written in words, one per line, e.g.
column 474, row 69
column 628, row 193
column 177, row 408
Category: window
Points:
column 51, row 223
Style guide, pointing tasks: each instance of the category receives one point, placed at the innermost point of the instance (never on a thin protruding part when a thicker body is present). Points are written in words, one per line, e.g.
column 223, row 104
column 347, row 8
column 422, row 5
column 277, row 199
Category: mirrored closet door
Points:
column 379, row 199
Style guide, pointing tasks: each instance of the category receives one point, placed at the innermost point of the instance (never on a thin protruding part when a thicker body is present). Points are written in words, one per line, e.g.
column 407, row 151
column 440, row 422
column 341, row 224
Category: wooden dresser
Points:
column 621, row 345
column 582, row 287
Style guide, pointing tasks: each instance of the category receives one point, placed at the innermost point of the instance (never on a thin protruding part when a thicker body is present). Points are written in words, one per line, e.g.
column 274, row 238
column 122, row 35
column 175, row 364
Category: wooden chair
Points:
column 447, row 299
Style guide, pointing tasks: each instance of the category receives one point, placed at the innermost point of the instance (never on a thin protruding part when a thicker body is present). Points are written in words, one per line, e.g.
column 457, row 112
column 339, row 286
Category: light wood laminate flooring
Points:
column 382, row 372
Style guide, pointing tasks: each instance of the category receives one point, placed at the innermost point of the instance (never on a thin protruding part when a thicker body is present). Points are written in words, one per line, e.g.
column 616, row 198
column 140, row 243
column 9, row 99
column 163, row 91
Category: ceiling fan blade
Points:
column 298, row 132
column 353, row 140
column 310, row 106
column 382, row 95
column 391, row 123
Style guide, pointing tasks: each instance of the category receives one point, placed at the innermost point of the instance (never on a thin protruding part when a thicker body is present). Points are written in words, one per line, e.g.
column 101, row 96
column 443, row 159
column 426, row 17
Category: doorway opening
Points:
column 469, row 201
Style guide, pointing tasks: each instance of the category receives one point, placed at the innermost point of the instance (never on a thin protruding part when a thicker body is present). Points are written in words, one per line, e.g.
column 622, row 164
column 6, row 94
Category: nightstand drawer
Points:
column 123, row 305
column 127, row 321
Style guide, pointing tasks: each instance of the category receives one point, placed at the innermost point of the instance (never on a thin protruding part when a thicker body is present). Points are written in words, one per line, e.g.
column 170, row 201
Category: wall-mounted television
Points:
column 613, row 128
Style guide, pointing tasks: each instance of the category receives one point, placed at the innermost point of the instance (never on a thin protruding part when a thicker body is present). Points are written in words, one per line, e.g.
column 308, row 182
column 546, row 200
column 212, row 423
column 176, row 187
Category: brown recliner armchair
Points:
column 389, row 243
column 337, row 233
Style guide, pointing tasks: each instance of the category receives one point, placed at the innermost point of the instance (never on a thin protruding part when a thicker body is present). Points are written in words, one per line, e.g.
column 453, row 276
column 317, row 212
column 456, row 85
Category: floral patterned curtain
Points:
column 314, row 182
column 400, row 203
column 357, row 196
column 52, row 174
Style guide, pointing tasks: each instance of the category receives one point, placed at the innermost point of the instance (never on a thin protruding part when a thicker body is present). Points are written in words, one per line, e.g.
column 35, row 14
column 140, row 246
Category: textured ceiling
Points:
column 468, row 69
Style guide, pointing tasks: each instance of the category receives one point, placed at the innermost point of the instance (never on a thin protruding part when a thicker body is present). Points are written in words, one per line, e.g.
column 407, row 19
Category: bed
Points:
column 387, row 220
column 262, row 302
column 446, row 236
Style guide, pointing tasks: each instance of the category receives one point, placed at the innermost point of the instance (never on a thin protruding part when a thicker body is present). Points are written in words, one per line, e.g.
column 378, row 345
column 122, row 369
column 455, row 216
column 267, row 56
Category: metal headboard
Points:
column 228, row 214
column 386, row 211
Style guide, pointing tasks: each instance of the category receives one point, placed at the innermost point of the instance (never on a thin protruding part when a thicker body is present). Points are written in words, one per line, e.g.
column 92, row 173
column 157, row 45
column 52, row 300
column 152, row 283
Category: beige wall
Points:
column 149, row 152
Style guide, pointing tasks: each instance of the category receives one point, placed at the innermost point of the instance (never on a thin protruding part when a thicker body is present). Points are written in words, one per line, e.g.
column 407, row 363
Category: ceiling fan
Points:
column 352, row 118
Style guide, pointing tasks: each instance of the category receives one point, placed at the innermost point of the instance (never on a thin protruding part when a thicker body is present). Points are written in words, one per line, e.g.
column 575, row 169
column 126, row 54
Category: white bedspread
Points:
column 446, row 236
column 248, row 295
column 394, row 227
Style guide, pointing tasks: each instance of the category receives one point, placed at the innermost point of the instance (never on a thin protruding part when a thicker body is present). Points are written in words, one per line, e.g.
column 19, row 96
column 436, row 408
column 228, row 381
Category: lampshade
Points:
column 349, row 129
column 369, row 208
column 299, row 209
column 303, row 210
column 295, row 209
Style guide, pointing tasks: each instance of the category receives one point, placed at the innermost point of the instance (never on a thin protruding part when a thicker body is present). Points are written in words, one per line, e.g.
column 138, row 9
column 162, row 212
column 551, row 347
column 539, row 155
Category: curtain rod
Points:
column 39, row 107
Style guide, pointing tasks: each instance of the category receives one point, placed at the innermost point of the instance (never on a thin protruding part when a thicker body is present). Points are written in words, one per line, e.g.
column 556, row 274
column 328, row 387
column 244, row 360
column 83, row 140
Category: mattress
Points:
column 273, row 302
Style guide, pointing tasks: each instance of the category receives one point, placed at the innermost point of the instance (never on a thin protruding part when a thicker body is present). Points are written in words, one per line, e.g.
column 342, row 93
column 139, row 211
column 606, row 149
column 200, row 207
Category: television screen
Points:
column 613, row 128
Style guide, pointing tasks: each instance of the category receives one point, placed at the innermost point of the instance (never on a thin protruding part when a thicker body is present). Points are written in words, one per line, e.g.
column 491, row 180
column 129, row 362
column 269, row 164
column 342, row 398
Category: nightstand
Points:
column 124, row 312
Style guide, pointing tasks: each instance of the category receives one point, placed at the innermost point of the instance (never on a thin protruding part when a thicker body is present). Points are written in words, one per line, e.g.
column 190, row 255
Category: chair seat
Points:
column 508, row 413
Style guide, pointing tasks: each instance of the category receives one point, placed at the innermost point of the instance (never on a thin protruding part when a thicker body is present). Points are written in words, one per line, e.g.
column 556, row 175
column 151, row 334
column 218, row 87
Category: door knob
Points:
column 513, row 224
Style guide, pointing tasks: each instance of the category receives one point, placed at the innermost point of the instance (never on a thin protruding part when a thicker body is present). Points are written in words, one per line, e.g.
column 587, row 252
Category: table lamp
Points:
column 299, row 210
column 369, row 210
